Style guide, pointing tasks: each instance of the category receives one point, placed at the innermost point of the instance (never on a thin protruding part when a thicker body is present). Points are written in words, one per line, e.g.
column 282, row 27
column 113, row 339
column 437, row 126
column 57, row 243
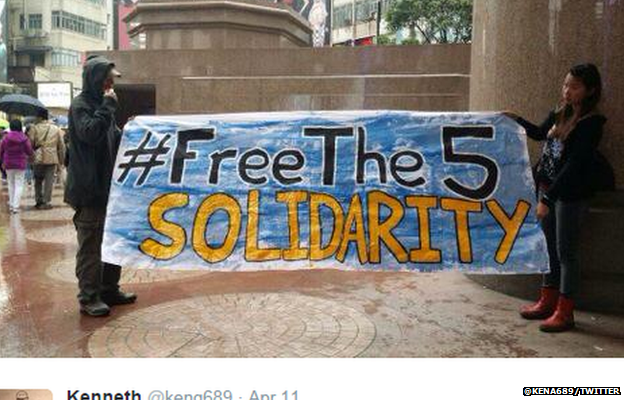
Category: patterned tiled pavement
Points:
column 316, row 313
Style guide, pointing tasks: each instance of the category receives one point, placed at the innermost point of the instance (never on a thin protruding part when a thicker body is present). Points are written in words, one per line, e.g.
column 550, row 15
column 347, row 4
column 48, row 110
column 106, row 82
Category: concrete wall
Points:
column 434, row 77
column 522, row 51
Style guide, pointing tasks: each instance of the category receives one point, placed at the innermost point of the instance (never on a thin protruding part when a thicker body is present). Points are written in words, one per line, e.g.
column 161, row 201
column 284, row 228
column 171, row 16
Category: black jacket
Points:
column 94, row 139
column 578, row 169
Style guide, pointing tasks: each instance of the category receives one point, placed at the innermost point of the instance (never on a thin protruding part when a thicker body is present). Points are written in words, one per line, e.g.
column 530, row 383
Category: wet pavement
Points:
column 317, row 313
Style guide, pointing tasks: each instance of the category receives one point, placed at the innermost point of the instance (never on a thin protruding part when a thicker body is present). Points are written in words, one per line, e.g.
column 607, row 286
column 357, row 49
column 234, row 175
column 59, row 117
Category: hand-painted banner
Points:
column 378, row 190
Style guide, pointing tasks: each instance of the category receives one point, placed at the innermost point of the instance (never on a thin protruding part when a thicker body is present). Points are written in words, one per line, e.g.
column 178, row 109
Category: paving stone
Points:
column 236, row 323
column 65, row 271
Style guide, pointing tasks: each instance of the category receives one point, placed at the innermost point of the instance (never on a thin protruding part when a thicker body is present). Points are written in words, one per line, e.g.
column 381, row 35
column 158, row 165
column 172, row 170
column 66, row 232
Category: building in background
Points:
column 5, row 87
column 368, row 24
column 123, row 41
column 48, row 39
column 319, row 14
column 3, row 40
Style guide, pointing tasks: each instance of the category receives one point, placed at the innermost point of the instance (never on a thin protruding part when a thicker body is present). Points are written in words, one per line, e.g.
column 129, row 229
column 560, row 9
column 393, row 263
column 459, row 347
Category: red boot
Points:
column 545, row 306
column 563, row 318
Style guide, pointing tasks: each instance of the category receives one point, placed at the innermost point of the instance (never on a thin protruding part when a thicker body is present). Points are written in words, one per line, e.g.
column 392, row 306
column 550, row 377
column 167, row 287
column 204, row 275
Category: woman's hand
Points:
column 542, row 210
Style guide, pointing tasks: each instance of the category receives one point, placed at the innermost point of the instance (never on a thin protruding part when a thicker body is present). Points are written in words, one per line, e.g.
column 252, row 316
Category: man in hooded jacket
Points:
column 94, row 140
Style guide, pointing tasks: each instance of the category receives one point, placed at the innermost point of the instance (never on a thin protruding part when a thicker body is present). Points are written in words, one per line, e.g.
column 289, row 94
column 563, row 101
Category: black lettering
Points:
column 330, row 137
column 450, row 156
column 279, row 167
column 244, row 166
column 363, row 156
column 182, row 153
column 72, row 395
column 396, row 167
column 217, row 157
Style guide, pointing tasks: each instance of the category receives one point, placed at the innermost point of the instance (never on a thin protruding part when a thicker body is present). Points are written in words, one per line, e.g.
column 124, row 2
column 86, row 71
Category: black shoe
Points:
column 45, row 207
column 118, row 298
column 95, row 308
column 38, row 206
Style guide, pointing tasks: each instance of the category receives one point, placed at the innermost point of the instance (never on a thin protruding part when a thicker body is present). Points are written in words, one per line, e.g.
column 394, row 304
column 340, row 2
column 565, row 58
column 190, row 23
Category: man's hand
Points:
column 542, row 210
column 110, row 93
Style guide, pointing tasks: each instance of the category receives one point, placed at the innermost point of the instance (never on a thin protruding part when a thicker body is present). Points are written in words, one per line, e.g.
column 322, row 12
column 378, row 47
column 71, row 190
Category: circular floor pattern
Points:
column 65, row 271
column 58, row 213
column 238, row 325
column 65, row 234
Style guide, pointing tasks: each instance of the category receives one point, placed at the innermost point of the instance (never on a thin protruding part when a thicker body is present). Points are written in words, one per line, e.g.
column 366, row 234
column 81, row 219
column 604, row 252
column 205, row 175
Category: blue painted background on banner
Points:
column 416, row 139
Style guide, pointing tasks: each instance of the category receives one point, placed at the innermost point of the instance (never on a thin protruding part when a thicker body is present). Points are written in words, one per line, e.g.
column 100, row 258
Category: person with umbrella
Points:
column 24, row 105
column 94, row 141
column 21, row 104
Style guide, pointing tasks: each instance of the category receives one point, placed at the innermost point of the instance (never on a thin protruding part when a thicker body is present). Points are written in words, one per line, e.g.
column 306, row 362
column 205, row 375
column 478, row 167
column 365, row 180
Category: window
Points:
column 78, row 24
column 22, row 20
column 65, row 58
column 37, row 60
column 343, row 15
column 365, row 10
column 35, row 21
column 56, row 19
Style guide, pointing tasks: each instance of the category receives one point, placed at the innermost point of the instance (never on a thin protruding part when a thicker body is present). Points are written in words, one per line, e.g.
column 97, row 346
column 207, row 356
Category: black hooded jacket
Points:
column 94, row 139
column 581, row 169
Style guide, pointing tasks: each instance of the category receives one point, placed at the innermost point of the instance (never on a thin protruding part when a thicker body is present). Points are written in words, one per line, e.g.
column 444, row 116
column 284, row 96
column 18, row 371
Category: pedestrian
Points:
column 2, row 171
column 94, row 140
column 15, row 149
column 568, row 173
column 47, row 141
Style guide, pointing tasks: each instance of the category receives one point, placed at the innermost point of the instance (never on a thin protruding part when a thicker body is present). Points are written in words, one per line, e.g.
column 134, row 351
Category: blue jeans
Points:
column 562, row 228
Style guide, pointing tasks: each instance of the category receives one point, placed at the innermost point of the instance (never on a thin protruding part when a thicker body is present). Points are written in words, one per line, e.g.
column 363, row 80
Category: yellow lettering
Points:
column 461, row 208
column 382, row 231
column 354, row 215
column 209, row 206
column 292, row 200
column 424, row 254
column 252, row 250
column 156, row 217
column 511, row 226
column 317, row 251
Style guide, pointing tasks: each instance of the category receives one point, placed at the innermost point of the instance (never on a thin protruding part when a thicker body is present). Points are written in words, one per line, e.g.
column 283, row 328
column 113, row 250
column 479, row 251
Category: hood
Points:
column 15, row 136
column 94, row 74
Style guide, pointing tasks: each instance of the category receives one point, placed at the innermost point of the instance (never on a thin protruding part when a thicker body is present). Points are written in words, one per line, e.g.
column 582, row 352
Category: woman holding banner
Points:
column 569, row 171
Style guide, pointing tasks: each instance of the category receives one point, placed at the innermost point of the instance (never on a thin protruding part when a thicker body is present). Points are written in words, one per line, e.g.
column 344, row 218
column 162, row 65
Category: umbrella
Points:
column 21, row 104
column 61, row 120
column 4, row 123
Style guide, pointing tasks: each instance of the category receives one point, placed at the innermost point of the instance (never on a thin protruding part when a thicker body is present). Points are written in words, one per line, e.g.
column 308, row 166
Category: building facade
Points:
column 48, row 39
column 369, row 21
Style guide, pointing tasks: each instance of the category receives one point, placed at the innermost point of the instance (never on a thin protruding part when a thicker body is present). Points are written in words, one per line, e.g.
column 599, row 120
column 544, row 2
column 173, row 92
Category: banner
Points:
column 374, row 190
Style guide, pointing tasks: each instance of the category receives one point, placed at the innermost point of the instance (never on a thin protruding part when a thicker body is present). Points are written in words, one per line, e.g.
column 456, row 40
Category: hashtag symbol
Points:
column 154, row 160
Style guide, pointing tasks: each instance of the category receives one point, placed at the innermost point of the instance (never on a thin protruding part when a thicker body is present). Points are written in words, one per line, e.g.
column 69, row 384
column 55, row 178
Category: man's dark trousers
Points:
column 94, row 277
column 44, row 182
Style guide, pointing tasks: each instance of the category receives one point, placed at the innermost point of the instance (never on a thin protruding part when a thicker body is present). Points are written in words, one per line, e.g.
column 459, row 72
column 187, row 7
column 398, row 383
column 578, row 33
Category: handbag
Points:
column 38, row 159
column 604, row 176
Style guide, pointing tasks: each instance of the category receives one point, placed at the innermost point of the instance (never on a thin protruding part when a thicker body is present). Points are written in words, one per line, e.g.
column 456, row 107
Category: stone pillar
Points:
column 521, row 52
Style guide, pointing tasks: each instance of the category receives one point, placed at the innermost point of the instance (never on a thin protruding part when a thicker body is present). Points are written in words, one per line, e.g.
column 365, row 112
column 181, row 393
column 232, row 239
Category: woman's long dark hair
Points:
column 565, row 116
